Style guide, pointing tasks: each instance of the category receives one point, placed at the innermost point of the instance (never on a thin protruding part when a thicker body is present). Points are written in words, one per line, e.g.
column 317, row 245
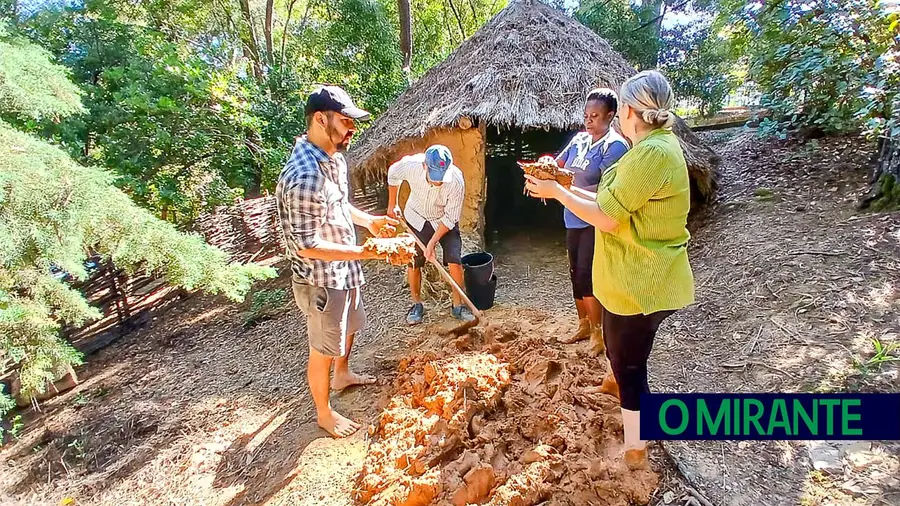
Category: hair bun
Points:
column 658, row 117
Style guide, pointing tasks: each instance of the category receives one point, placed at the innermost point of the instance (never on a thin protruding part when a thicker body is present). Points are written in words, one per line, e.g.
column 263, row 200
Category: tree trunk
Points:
column 270, row 52
column 659, row 12
column 405, row 32
column 249, row 36
column 253, row 141
column 885, row 191
column 120, row 296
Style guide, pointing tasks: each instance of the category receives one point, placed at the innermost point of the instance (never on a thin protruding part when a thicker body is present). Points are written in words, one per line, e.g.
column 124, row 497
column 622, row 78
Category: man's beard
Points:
column 342, row 144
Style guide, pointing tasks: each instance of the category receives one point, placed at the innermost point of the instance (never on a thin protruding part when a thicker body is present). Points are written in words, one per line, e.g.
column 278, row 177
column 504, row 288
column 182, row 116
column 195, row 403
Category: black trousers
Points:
column 451, row 243
column 580, row 247
column 629, row 340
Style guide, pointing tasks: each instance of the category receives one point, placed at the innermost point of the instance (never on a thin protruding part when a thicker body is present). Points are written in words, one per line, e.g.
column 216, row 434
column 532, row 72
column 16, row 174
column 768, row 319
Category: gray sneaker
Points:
column 416, row 314
column 462, row 313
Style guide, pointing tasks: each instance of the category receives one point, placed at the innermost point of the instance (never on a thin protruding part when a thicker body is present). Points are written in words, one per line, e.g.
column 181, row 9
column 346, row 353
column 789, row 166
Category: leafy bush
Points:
column 826, row 66
column 693, row 56
column 265, row 304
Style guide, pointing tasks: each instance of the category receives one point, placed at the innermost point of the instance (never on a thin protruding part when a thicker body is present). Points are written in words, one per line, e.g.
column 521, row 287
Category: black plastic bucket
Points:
column 482, row 295
column 478, row 268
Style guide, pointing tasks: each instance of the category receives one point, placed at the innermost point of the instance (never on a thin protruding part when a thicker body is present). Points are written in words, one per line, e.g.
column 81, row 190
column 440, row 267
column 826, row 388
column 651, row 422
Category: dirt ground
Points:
column 792, row 285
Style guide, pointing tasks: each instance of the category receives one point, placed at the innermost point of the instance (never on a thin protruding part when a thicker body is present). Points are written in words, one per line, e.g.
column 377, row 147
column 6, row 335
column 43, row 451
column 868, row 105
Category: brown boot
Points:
column 598, row 347
column 583, row 332
column 610, row 386
column 637, row 460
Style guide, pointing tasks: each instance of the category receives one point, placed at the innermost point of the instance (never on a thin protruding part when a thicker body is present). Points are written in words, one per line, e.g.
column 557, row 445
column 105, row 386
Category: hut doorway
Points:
column 508, row 212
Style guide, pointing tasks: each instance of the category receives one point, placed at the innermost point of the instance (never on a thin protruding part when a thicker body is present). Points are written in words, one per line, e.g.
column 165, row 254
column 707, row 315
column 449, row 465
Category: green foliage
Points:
column 7, row 404
column 188, row 117
column 698, row 65
column 171, row 126
column 883, row 354
column 32, row 88
column 827, row 65
column 54, row 212
column 619, row 22
column 764, row 194
column 264, row 305
column 696, row 60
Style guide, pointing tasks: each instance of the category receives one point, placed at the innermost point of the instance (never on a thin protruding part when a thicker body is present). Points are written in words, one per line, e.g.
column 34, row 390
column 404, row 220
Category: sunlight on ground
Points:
column 881, row 297
column 884, row 296
column 788, row 452
column 820, row 489
column 206, row 315
column 325, row 474
column 864, row 471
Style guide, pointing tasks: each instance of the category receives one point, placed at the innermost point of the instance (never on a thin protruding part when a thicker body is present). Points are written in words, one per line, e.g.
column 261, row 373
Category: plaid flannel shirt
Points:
column 313, row 205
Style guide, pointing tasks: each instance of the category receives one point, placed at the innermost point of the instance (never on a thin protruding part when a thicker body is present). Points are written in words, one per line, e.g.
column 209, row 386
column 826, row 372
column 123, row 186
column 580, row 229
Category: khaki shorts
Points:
column 331, row 316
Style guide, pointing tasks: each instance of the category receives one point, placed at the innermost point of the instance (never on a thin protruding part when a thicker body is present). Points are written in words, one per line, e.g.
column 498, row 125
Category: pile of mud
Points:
column 504, row 417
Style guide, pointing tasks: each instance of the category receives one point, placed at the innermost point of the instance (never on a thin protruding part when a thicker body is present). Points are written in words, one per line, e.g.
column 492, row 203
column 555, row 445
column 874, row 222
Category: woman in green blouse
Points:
column 641, row 271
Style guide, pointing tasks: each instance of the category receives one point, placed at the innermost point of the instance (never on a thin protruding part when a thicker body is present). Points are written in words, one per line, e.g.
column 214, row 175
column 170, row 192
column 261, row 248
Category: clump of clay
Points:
column 399, row 250
column 387, row 231
column 423, row 427
column 548, row 170
column 510, row 418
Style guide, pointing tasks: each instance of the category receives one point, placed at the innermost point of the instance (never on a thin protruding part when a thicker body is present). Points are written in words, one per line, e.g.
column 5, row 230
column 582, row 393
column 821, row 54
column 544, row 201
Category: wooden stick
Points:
column 449, row 279
column 823, row 253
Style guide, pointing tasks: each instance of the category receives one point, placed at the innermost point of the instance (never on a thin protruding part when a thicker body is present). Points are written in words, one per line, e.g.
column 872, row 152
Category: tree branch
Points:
column 458, row 19
column 284, row 33
column 658, row 19
column 405, row 16
column 250, row 40
column 474, row 15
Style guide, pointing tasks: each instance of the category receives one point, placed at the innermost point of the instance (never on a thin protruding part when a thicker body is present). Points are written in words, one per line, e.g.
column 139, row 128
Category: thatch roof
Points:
column 529, row 67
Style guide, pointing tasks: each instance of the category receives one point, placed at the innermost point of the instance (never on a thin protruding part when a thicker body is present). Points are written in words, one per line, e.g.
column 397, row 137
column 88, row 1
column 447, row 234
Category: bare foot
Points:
column 583, row 332
column 342, row 381
column 335, row 424
column 573, row 338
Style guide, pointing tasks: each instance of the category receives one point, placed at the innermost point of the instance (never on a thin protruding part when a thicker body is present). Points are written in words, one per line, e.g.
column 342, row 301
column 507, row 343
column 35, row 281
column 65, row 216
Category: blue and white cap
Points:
column 438, row 159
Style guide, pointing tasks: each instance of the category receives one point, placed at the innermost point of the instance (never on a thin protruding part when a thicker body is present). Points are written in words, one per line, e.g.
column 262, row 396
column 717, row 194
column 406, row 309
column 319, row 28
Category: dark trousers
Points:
column 580, row 247
column 451, row 244
column 629, row 340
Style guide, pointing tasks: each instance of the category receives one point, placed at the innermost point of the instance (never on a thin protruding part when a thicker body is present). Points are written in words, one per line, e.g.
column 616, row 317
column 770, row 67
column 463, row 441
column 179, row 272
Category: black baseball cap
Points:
column 333, row 98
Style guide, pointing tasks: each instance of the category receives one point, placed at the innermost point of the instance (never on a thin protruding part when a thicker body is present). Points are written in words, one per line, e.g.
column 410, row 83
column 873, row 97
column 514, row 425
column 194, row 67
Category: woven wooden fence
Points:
column 245, row 230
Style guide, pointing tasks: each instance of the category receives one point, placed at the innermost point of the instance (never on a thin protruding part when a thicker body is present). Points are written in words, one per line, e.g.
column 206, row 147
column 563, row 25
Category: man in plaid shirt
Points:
column 318, row 224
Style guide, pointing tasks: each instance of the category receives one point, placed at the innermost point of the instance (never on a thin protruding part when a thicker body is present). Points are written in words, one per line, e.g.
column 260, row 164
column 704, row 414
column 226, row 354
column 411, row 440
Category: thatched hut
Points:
column 514, row 90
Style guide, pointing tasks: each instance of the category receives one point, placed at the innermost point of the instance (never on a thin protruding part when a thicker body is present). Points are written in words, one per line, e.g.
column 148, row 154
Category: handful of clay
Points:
column 546, row 168
column 387, row 231
column 399, row 250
